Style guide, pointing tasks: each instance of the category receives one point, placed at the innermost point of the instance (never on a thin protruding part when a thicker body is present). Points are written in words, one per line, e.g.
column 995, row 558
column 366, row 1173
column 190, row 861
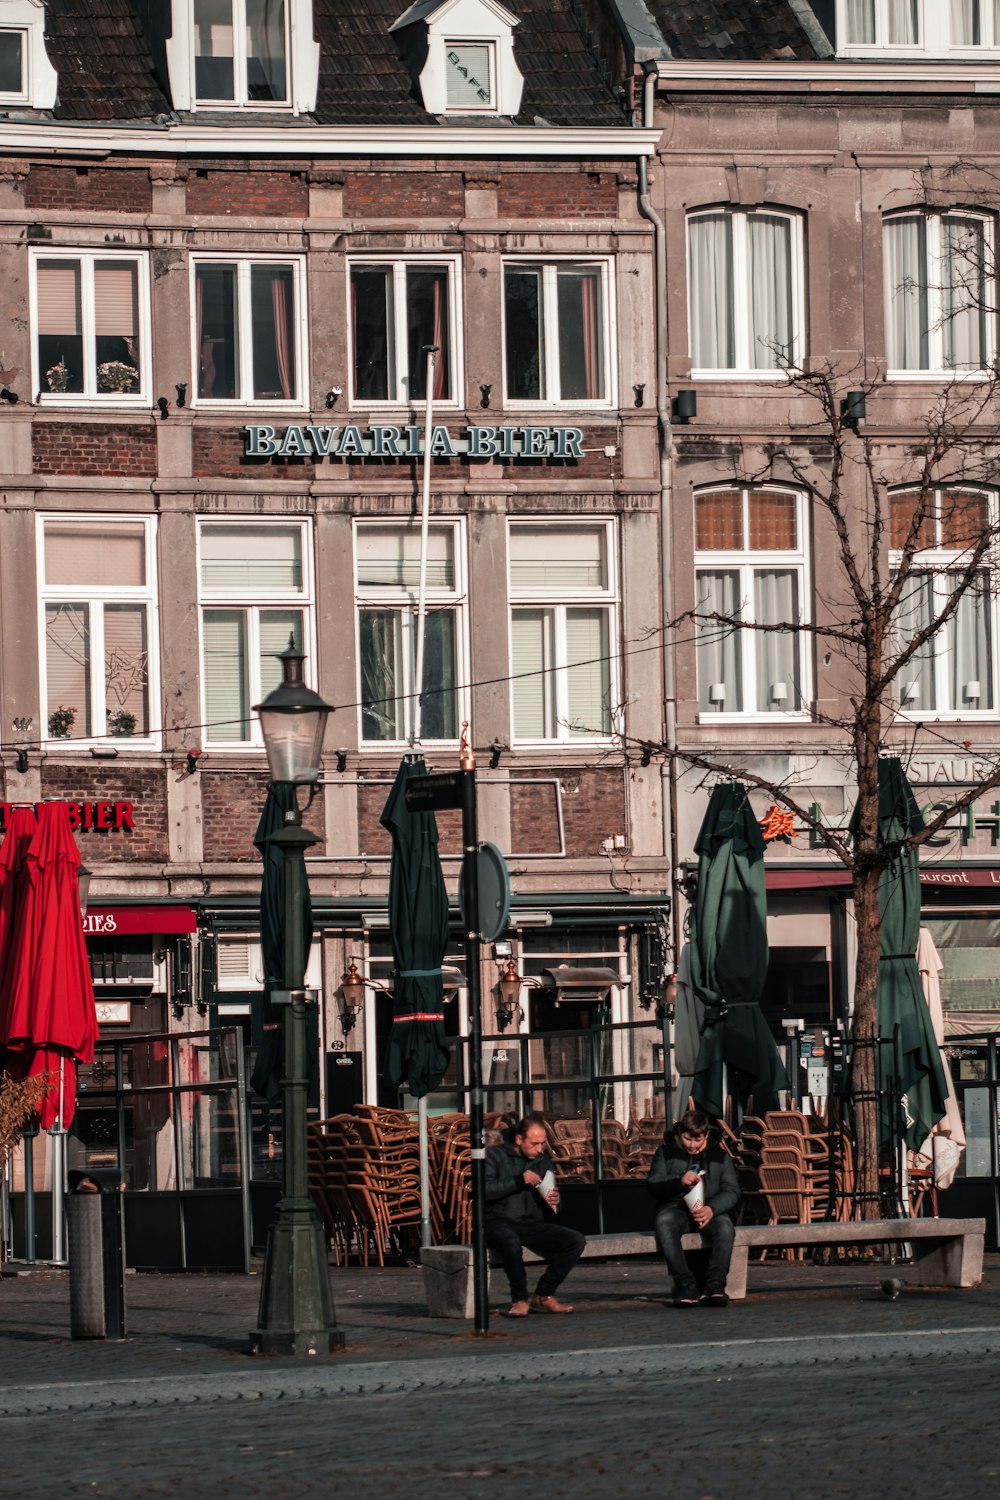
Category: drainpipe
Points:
column 666, row 446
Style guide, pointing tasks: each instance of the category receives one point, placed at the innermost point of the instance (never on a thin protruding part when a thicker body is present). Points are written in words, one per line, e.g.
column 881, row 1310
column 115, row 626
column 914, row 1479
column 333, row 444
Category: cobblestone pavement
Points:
column 816, row 1386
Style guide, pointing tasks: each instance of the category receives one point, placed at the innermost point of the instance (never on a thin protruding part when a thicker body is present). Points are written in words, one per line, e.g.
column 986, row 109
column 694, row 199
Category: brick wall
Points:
column 557, row 195
column 593, row 805
column 87, row 448
column 373, row 838
column 144, row 787
column 400, row 195
column 268, row 195
column 595, row 463
column 232, row 802
column 219, row 450
column 117, row 190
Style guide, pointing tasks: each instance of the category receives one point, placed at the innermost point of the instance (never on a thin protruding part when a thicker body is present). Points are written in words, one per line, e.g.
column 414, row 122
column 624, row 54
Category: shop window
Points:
column 745, row 284
column 256, row 592
column 388, row 583
column 939, row 298
column 243, row 54
column 248, row 331
column 398, row 309
column 751, row 598
column 99, row 630
column 563, row 622
column 557, row 334
column 91, row 319
column 953, row 673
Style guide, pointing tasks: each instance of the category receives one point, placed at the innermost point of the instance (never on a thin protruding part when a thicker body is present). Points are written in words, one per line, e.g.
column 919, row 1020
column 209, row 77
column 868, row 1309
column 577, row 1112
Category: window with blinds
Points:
column 470, row 70
column 89, row 313
column 562, row 659
column 96, row 580
column 241, row 565
column 389, row 557
column 750, row 601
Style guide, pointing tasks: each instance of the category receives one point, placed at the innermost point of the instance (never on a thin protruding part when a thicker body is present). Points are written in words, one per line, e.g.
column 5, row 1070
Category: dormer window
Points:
column 243, row 54
column 928, row 28
column 26, row 75
column 460, row 54
column 883, row 23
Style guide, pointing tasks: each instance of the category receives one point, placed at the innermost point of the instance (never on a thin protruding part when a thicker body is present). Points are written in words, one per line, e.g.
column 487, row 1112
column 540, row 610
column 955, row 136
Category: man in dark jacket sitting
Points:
column 697, row 1186
column 521, row 1204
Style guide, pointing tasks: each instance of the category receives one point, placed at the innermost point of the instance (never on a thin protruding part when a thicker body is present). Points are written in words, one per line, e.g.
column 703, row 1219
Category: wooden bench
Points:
column 946, row 1252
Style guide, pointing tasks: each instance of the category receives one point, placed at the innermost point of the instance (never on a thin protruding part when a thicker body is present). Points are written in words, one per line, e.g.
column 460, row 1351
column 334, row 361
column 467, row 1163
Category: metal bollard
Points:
column 96, row 1255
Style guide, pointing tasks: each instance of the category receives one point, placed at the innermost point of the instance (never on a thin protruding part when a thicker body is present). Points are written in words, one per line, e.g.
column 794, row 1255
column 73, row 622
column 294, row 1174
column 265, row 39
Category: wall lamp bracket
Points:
column 496, row 750
column 11, row 397
column 341, row 759
column 332, row 395
column 484, row 395
column 684, row 406
column 647, row 752
column 22, row 761
column 181, row 390
column 639, row 393
column 852, row 410
column 192, row 757
column 164, row 407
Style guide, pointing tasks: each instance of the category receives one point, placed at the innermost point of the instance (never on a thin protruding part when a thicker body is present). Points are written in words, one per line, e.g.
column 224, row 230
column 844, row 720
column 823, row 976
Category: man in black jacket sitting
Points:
column 521, row 1203
column 697, row 1186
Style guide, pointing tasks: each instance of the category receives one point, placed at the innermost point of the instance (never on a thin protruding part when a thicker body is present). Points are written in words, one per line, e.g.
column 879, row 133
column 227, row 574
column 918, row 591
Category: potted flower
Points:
column 116, row 375
column 121, row 723
column 57, row 375
column 61, row 721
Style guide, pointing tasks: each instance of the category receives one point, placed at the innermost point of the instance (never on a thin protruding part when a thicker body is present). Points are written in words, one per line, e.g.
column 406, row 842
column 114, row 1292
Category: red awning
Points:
column 126, row 921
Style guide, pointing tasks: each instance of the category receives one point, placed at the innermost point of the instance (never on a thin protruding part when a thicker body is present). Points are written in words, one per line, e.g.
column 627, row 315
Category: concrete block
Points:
column 448, row 1281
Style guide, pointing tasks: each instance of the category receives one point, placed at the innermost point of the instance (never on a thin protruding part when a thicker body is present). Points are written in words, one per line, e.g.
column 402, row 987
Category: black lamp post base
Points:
column 296, row 1304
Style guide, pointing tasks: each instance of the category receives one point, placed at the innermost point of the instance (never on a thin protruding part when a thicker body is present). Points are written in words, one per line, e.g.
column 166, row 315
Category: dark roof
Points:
column 736, row 30
column 100, row 53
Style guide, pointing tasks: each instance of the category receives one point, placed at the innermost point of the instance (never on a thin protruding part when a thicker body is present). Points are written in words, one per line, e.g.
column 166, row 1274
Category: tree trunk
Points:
column 864, row 1072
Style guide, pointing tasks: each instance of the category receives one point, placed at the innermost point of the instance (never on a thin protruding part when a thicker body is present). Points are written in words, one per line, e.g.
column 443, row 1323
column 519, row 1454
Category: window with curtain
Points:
column 247, row 320
column 563, row 626
column 557, row 333
column 387, row 596
column 99, row 628
column 940, row 303
column 256, row 592
column 91, row 316
column 933, row 27
column 953, row 671
column 750, row 601
column 398, row 309
column 12, row 55
column 241, row 52
column 745, row 289
column 882, row 23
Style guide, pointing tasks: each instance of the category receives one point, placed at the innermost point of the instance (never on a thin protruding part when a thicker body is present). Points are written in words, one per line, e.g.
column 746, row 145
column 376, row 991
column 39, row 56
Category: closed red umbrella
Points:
column 47, row 1013
column 20, row 831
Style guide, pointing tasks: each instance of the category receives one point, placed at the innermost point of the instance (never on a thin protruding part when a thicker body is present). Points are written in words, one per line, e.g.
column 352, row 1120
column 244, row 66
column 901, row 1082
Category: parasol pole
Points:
column 57, row 1137
column 418, row 673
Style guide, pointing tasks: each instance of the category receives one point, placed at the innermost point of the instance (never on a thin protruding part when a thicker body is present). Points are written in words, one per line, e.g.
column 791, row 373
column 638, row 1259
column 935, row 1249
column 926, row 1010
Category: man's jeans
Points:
column 557, row 1244
column 672, row 1221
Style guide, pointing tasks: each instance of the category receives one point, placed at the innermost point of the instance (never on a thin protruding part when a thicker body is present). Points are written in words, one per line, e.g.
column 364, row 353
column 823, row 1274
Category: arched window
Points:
column 940, row 303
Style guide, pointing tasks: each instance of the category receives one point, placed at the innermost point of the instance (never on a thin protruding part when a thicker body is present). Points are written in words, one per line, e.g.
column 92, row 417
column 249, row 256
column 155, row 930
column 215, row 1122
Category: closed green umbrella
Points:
column 900, row 998
column 729, row 957
column 265, row 1025
column 418, row 924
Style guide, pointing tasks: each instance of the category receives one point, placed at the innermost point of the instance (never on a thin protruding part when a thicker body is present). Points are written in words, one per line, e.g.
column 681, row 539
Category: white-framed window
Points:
column 387, row 555
column 90, row 313
column 463, row 62
column 558, row 333
column 934, row 28
column 563, row 630
column 746, row 300
column 940, row 307
column 256, row 590
column 751, row 568
column 98, row 629
column 249, row 330
column 954, row 673
column 471, row 73
column 397, row 308
column 26, row 75
column 243, row 54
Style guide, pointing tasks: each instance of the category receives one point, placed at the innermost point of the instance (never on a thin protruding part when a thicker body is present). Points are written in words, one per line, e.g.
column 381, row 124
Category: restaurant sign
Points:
column 322, row 440
column 88, row 817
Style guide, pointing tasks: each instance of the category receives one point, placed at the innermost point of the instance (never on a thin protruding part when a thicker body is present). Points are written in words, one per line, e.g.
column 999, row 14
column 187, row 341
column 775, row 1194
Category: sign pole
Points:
column 470, row 912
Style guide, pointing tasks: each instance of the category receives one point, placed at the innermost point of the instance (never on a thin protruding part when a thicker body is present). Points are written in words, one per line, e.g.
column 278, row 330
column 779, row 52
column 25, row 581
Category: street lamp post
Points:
column 296, row 1313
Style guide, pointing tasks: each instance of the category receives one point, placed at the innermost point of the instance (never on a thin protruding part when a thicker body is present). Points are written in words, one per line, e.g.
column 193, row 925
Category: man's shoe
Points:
column 716, row 1296
column 549, row 1305
column 517, row 1310
column 686, row 1294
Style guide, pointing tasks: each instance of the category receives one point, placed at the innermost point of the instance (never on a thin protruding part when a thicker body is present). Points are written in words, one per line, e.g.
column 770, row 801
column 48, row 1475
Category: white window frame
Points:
column 933, row 33
column 747, row 562
column 303, row 600
column 472, row 22
column 300, row 318
column 90, row 395
column 301, row 61
column 938, row 562
column 936, row 367
column 550, row 265
column 404, row 599
column 741, row 369
column 491, row 105
column 400, row 264
column 39, row 80
column 96, row 596
column 559, row 601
